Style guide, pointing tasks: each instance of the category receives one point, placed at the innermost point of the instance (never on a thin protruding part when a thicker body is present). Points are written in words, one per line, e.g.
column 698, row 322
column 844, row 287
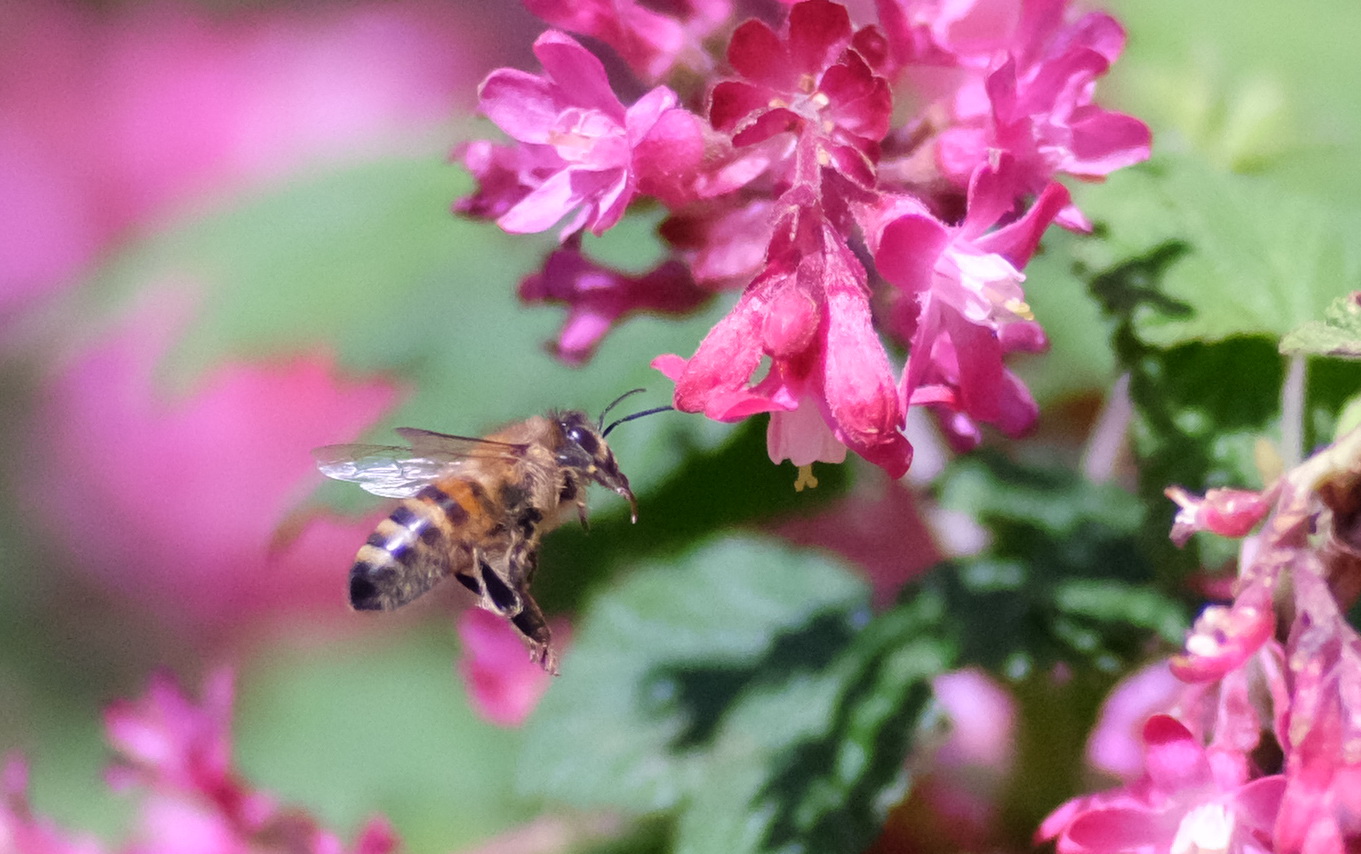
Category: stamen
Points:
column 1020, row 308
column 805, row 478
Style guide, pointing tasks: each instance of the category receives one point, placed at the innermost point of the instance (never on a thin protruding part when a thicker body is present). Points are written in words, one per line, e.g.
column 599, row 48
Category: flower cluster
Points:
column 1271, row 686
column 179, row 753
column 857, row 183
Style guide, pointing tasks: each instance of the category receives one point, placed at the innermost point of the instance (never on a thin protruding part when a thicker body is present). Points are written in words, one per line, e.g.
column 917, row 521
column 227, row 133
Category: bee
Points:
column 477, row 509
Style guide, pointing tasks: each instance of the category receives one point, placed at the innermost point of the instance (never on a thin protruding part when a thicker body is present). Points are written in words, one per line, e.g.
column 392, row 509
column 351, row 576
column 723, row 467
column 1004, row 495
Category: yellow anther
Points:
column 1020, row 308
column 805, row 478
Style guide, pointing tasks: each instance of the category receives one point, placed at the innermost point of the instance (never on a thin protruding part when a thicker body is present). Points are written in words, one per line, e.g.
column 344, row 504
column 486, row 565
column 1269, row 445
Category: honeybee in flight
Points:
column 476, row 509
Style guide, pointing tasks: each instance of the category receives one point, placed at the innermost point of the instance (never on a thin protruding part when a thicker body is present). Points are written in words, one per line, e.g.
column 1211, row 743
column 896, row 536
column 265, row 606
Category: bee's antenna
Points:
column 617, row 401
column 619, row 421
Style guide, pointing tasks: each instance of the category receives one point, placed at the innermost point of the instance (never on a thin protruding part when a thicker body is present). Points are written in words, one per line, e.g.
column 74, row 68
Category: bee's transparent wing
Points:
column 428, row 441
column 393, row 471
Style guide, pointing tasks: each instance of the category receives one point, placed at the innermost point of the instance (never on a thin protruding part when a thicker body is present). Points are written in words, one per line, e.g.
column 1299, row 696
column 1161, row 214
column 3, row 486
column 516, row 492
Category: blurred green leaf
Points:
column 1200, row 73
column 1255, row 260
column 732, row 683
column 1064, row 578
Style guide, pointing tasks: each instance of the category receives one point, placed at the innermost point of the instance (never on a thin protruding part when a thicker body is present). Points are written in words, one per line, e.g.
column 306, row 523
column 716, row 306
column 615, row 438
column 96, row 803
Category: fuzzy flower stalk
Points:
column 1257, row 745
column 867, row 188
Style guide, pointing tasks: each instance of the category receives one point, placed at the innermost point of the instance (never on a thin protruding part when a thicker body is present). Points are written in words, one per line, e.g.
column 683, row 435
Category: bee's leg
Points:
column 499, row 593
column 581, row 514
column 531, row 624
column 470, row 581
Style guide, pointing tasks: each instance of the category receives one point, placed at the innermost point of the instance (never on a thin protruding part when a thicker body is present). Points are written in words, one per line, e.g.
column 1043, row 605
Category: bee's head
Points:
column 584, row 449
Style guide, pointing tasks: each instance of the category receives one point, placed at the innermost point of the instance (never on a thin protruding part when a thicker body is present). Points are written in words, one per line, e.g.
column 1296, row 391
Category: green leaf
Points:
column 1254, row 260
column 731, row 683
column 1064, row 578
column 1338, row 334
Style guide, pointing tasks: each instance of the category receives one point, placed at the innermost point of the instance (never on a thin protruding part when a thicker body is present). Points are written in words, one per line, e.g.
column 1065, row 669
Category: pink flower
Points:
column 971, row 768
column 598, row 297
column 1036, row 105
column 22, row 832
column 503, row 683
column 191, row 490
column 1188, row 800
column 179, row 751
column 961, row 302
column 580, row 149
column 809, row 314
column 652, row 43
column 1227, row 512
column 812, row 82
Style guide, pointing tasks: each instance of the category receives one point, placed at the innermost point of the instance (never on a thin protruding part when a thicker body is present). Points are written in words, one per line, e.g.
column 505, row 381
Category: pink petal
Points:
column 577, row 71
column 818, row 31
column 1017, row 241
column 521, row 104
column 1115, row 745
column 908, row 250
column 1103, row 142
column 857, row 380
column 756, row 53
column 1257, row 803
column 543, row 206
column 733, row 101
column 727, row 356
column 802, row 437
column 1128, row 831
column 1175, row 761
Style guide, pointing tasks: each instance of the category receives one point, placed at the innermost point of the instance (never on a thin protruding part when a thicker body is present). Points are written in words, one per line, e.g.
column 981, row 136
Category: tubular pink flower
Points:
column 809, row 314
column 1224, row 637
column 961, row 303
column 598, row 297
column 1188, row 800
column 1322, row 733
column 581, row 150
column 1227, row 512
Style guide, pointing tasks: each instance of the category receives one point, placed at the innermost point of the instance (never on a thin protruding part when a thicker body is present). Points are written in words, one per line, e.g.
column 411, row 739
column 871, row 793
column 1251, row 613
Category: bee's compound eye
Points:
column 585, row 439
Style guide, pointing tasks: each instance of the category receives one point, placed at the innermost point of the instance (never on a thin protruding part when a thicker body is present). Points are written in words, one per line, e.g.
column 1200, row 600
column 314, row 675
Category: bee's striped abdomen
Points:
column 423, row 540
